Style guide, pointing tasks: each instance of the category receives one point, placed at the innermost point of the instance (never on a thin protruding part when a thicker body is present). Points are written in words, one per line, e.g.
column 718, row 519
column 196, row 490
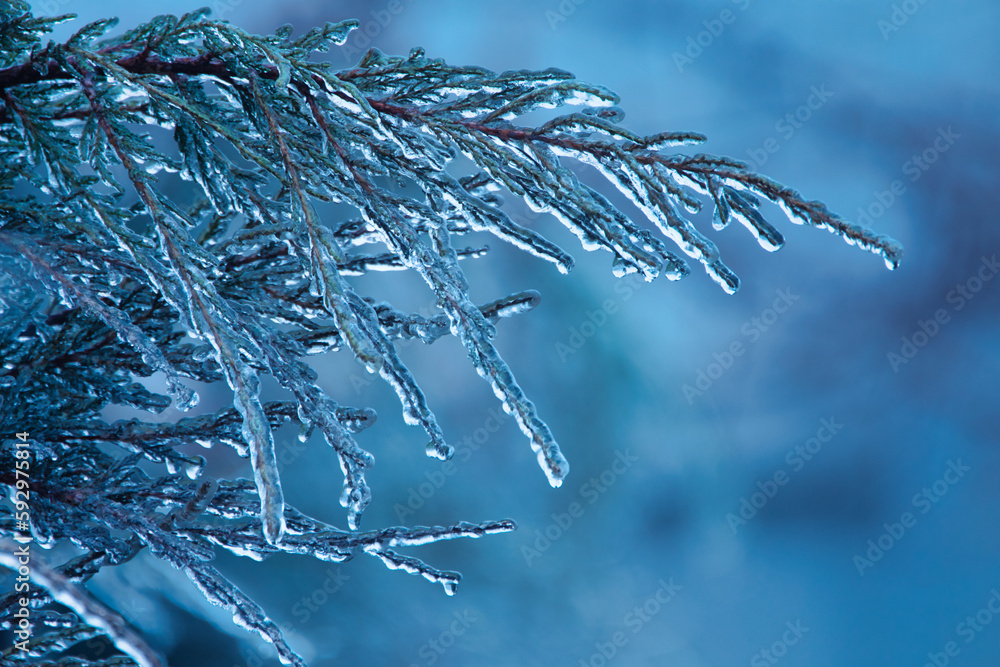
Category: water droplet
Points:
column 184, row 398
column 194, row 466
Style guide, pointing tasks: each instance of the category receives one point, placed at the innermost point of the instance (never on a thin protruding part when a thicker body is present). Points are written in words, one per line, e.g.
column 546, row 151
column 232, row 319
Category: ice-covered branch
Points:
column 245, row 279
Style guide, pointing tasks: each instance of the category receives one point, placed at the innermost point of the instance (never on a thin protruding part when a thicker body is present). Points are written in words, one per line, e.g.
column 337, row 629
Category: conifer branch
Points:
column 245, row 279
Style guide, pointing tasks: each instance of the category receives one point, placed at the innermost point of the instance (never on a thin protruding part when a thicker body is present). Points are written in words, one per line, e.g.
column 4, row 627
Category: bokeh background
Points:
column 793, row 579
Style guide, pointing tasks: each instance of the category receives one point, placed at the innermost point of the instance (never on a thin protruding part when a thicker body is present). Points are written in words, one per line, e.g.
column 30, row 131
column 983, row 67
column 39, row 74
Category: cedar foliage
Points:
column 107, row 275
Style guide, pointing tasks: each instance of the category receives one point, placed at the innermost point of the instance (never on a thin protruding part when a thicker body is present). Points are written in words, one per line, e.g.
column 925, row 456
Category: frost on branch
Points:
column 241, row 276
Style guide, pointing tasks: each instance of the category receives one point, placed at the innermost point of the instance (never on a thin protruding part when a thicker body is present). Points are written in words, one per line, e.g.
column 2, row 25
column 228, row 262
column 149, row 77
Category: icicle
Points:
column 768, row 237
column 415, row 409
column 395, row 561
column 257, row 434
column 515, row 304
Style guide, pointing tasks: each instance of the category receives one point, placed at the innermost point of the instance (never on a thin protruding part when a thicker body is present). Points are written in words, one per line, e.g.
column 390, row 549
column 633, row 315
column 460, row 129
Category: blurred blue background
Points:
column 867, row 486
